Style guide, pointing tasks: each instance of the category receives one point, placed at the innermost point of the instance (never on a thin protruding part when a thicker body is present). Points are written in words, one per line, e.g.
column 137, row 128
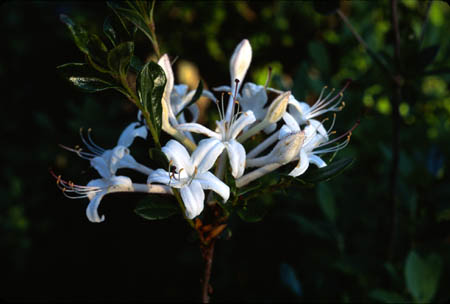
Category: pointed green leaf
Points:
column 326, row 173
column 385, row 296
column 427, row 55
column 88, row 43
column 151, row 82
column 197, row 94
column 134, row 17
column 119, row 58
column 110, row 32
column 156, row 208
column 84, row 77
column 422, row 276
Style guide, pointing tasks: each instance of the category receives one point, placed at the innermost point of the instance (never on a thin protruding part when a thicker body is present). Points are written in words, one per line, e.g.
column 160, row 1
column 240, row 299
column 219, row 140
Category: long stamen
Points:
column 92, row 142
column 88, row 145
column 79, row 152
column 69, row 187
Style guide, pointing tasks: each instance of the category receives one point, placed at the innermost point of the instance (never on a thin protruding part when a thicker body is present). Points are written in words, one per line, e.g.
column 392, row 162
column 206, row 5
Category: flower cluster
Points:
column 291, row 129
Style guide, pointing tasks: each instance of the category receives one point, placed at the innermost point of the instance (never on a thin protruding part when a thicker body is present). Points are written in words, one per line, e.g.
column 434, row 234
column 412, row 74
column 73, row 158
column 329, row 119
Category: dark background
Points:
column 339, row 241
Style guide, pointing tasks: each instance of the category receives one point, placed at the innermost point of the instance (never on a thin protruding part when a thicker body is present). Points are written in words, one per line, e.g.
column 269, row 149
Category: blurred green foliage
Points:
column 343, row 240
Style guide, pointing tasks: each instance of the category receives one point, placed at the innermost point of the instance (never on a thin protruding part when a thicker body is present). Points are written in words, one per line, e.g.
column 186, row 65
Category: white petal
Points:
column 291, row 122
column 120, row 184
column 193, row 198
column 284, row 131
column 116, row 156
column 316, row 160
column 130, row 132
column 223, row 88
column 163, row 177
column 179, row 156
column 299, row 110
column 91, row 210
column 302, row 165
column 270, row 128
column 164, row 62
column 99, row 163
column 127, row 161
column 254, row 97
column 210, row 182
column 244, row 120
column 236, row 154
column 319, row 127
column 96, row 183
column 206, row 154
column 198, row 128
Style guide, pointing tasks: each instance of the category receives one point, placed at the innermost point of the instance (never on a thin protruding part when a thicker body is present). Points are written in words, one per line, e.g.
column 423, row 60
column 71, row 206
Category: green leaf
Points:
column 134, row 17
column 151, row 82
column 110, row 32
column 88, row 43
column 422, row 276
column 136, row 64
column 385, row 296
column 119, row 58
column 328, row 172
column 197, row 94
column 326, row 201
column 319, row 54
column 84, row 77
column 156, row 208
column 253, row 211
column 158, row 157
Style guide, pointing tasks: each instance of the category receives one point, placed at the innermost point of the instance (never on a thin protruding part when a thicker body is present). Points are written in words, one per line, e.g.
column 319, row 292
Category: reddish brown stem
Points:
column 208, row 255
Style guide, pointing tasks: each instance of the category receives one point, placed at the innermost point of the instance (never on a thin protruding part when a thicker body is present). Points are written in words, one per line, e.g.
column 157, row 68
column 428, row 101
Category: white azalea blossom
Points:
column 191, row 176
column 176, row 98
column 108, row 161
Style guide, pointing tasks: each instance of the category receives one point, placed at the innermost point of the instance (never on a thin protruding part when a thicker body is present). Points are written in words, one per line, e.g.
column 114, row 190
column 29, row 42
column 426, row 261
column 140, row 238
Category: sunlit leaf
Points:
column 84, row 77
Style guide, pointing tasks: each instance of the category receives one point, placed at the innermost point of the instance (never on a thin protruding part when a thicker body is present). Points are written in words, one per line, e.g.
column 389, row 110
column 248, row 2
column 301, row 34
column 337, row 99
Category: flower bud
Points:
column 277, row 108
column 240, row 60
column 288, row 148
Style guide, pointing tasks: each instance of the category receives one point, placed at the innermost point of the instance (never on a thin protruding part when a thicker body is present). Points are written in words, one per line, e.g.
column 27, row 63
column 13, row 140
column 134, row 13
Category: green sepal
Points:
column 84, row 77
column 151, row 82
column 119, row 58
column 195, row 98
column 156, row 208
column 328, row 172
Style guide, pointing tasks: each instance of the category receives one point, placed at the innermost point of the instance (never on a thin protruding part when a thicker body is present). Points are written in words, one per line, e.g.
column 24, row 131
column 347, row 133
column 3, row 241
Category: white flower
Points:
column 224, row 138
column 96, row 189
column 190, row 175
column 176, row 98
column 107, row 162
column 315, row 142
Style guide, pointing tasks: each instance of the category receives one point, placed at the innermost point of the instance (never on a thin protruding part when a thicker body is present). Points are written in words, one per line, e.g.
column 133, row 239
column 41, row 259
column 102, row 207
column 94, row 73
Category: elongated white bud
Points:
column 277, row 108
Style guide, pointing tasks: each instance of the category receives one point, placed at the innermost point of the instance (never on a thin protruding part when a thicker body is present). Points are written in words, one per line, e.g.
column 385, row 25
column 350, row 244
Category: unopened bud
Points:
column 277, row 108
column 240, row 60
column 288, row 148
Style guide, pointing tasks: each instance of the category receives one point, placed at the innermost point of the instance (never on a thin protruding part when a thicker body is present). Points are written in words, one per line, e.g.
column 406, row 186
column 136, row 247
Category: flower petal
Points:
column 223, row 88
column 316, row 160
column 163, row 177
column 244, row 120
column 291, row 122
column 99, row 163
column 236, row 154
column 130, row 133
column 254, row 97
column 299, row 110
column 91, row 210
column 302, row 165
column 178, row 154
column 116, row 156
column 210, row 182
column 240, row 60
column 319, row 127
column 198, row 128
column 206, row 154
column 193, row 198
column 164, row 62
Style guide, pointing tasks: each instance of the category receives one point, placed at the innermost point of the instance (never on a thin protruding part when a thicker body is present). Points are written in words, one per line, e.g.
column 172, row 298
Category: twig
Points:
column 208, row 254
